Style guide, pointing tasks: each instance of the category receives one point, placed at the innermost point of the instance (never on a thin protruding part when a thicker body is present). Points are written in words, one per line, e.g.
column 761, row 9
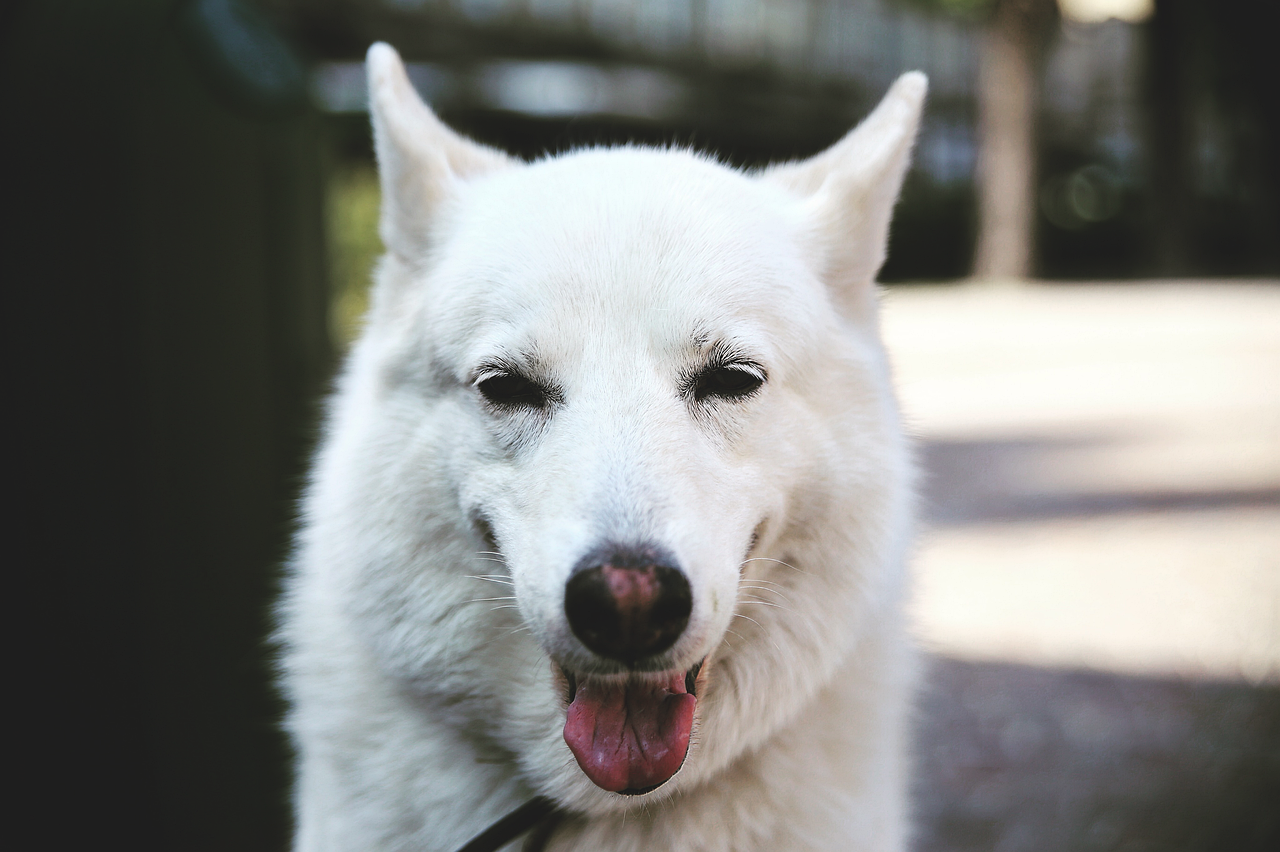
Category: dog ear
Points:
column 850, row 190
column 420, row 160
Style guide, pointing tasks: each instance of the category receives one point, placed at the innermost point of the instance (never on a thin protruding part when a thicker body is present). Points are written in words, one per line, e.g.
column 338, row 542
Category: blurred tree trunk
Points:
column 1008, row 84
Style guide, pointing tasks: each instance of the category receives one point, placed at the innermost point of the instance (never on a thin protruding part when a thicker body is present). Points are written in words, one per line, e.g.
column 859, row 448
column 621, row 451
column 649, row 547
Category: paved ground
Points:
column 1100, row 581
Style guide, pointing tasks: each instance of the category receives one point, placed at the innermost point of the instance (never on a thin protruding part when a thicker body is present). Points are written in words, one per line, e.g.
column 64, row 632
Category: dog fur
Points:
column 423, row 625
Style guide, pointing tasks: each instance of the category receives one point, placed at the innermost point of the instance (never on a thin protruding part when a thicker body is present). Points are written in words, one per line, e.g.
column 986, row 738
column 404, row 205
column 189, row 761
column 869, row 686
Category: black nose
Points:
column 627, row 603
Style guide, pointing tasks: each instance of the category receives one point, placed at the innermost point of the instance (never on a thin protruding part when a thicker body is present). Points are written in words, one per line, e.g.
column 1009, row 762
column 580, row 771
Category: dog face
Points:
column 616, row 399
column 602, row 407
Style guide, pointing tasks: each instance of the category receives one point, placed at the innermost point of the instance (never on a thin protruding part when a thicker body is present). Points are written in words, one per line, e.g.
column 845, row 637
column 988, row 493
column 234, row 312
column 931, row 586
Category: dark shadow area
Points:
column 167, row 318
column 1015, row 758
column 970, row 482
column 1085, row 504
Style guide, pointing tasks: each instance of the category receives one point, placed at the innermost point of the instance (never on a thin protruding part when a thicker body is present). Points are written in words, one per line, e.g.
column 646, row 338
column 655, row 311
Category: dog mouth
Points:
column 630, row 734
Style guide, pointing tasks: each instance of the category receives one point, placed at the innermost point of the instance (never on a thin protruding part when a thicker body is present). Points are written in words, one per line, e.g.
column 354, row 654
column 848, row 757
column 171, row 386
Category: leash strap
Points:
column 512, row 826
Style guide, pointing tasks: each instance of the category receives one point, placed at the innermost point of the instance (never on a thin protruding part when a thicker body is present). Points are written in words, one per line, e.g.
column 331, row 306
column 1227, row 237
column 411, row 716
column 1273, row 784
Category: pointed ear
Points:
column 420, row 160
column 850, row 189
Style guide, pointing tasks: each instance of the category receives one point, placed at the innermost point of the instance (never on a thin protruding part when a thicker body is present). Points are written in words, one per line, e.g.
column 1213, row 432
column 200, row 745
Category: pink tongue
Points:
column 629, row 736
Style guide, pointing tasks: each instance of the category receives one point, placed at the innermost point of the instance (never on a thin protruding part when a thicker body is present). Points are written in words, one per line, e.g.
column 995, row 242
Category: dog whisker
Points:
column 763, row 580
column 753, row 587
column 503, row 635
column 492, row 578
column 749, row 589
column 764, row 603
column 772, row 642
column 771, row 559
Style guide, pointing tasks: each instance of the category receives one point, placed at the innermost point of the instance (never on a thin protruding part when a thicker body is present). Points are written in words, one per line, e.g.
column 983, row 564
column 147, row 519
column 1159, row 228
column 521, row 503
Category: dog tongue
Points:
column 629, row 736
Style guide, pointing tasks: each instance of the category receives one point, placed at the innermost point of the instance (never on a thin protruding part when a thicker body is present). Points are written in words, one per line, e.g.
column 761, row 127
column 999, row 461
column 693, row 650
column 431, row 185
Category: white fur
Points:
column 419, row 668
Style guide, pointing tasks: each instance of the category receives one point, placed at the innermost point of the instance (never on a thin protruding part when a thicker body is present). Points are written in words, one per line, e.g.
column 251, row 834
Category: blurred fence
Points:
column 1151, row 137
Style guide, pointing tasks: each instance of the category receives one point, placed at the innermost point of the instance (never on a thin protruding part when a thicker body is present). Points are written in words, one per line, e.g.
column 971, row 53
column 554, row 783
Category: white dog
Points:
column 613, row 505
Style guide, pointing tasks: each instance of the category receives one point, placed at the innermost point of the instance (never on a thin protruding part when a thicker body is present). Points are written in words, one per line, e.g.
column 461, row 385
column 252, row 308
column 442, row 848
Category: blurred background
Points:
column 1082, row 307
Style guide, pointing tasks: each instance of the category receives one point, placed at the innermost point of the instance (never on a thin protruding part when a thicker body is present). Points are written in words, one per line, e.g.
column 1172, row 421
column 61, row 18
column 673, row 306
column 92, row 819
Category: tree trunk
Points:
column 1008, row 83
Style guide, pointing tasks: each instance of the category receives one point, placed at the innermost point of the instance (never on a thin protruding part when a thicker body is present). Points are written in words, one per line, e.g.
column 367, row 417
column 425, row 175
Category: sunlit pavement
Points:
column 1099, row 577
column 1103, row 470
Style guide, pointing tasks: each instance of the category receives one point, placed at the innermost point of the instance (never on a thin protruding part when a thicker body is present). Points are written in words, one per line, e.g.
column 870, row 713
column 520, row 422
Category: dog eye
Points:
column 513, row 389
column 732, row 381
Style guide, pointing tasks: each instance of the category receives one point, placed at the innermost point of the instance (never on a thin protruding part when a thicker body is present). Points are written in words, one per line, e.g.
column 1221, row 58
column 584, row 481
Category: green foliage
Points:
column 354, row 247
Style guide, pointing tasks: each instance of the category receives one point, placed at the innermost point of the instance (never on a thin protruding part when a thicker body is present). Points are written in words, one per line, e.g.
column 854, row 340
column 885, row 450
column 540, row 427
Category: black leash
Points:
column 516, row 823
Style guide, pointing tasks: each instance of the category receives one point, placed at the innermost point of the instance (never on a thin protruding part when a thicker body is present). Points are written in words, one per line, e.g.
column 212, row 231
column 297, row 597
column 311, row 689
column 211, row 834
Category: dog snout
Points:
column 627, row 604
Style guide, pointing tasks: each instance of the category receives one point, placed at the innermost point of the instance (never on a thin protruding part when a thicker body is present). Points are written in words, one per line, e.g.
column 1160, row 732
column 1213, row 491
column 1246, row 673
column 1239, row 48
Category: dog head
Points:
column 616, row 466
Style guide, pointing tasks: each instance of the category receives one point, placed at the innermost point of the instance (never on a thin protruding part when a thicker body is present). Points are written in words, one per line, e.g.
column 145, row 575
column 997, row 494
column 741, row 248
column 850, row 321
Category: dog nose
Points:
column 627, row 604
